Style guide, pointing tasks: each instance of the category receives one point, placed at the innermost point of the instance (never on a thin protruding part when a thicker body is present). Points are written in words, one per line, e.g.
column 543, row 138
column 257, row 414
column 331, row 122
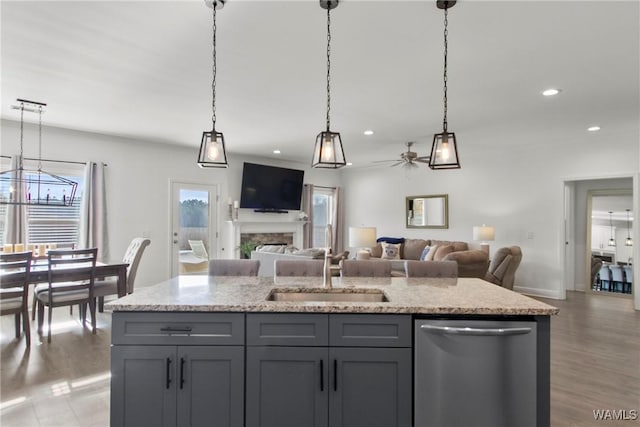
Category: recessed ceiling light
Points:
column 593, row 128
column 551, row 92
column 349, row 164
column 368, row 132
column 276, row 151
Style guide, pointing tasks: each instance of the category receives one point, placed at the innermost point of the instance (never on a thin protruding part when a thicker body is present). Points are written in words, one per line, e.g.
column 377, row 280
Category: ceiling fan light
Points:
column 328, row 152
column 444, row 152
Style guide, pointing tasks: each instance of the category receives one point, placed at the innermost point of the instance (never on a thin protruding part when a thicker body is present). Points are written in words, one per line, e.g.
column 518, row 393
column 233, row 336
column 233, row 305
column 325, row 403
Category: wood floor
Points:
column 595, row 364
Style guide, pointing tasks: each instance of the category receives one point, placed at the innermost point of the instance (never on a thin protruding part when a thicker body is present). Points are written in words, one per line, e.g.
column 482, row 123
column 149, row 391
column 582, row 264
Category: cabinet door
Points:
column 287, row 387
column 210, row 383
column 143, row 391
column 370, row 387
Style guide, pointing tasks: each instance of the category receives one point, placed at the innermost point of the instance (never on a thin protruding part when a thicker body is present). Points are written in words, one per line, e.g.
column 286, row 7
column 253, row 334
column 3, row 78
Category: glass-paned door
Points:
column 322, row 215
column 194, row 228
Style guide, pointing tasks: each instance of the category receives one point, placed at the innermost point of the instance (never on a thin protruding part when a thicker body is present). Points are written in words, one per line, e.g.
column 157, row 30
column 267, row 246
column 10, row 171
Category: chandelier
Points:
column 20, row 186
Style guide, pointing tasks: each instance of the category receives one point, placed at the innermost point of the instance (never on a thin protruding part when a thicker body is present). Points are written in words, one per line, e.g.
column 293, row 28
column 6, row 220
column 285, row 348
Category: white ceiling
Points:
column 143, row 70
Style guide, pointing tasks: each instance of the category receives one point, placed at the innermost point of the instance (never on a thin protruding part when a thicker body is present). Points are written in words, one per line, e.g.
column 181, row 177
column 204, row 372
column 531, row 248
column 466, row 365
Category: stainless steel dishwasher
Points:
column 474, row 373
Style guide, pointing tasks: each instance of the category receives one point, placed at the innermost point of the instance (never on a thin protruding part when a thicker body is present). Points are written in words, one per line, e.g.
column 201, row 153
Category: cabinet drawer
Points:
column 178, row 328
column 287, row 329
column 369, row 330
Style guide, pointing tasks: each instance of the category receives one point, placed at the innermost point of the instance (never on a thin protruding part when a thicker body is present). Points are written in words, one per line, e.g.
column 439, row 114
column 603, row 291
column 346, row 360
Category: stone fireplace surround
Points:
column 264, row 232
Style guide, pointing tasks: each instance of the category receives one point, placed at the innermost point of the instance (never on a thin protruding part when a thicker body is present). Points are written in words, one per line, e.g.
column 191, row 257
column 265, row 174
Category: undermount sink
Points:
column 329, row 295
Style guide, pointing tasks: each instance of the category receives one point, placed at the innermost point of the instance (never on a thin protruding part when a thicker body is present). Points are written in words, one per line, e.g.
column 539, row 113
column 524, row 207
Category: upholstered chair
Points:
column 365, row 268
column 299, row 268
column 596, row 263
column 504, row 264
column 132, row 256
column 234, row 267
column 447, row 269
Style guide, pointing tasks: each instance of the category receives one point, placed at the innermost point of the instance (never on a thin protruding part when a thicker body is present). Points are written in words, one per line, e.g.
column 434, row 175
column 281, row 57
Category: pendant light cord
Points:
column 214, row 70
column 328, row 64
column 446, row 48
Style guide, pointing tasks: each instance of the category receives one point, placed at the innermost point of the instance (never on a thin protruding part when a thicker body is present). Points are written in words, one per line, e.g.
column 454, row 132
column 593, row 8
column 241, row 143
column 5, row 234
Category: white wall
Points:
column 519, row 191
column 138, row 184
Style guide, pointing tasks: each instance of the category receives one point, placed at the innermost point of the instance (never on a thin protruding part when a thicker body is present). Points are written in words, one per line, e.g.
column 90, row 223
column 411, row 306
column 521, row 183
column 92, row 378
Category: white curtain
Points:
column 16, row 215
column 93, row 211
column 307, row 207
column 337, row 221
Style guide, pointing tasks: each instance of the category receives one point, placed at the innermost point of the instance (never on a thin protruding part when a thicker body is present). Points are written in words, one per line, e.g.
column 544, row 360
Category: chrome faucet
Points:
column 326, row 271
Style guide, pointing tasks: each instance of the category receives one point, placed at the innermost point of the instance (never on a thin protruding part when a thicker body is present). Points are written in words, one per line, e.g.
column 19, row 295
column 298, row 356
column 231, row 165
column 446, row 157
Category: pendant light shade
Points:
column 328, row 152
column 213, row 152
column 628, row 241
column 612, row 241
column 444, row 151
column 20, row 186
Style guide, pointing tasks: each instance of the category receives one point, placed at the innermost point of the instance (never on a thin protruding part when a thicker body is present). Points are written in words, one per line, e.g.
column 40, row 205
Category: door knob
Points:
column 175, row 241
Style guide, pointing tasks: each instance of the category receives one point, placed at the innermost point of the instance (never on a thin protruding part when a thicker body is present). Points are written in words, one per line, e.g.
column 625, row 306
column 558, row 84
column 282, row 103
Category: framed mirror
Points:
column 430, row 211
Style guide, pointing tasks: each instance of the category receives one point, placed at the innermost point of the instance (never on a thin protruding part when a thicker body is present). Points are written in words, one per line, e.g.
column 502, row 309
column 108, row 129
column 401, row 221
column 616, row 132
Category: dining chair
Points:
column 628, row 279
column 298, row 268
column 234, row 267
column 605, row 278
column 617, row 281
column 14, row 289
column 414, row 268
column 365, row 268
column 103, row 287
column 71, row 275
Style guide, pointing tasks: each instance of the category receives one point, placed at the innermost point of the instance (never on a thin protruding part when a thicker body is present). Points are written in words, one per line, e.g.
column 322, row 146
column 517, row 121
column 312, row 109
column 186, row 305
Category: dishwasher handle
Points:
column 450, row 330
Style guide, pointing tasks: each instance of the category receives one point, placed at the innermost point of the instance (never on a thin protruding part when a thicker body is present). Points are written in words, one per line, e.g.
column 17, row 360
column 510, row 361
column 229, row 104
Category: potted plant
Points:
column 246, row 248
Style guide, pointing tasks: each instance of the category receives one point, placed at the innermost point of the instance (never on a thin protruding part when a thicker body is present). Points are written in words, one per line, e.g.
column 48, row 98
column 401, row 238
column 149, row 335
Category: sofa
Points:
column 504, row 264
column 471, row 262
column 268, row 255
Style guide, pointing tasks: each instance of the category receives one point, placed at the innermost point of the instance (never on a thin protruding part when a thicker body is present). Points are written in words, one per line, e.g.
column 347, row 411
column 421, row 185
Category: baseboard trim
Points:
column 543, row 293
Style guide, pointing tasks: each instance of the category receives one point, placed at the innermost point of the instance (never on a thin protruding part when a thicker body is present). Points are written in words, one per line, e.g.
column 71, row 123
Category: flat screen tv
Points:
column 270, row 188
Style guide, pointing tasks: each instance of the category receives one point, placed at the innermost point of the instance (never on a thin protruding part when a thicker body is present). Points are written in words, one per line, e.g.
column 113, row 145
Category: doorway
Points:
column 609, row 244
column 194, row 233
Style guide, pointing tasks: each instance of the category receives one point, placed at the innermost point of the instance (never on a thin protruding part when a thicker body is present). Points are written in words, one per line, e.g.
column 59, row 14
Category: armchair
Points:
column 504, row 264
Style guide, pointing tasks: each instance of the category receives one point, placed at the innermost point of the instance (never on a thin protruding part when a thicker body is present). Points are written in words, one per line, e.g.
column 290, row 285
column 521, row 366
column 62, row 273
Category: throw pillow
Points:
column 390, row 250
column 425, row 252
column 431, row 253
column 394, row 240
column 442, row 252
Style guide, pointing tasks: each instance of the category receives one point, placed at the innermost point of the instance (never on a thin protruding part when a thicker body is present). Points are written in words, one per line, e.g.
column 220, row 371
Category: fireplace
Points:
column 263, row 233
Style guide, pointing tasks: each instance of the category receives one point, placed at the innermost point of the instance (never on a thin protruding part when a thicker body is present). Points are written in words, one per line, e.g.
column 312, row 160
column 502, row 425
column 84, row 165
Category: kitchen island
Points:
column 250, row 352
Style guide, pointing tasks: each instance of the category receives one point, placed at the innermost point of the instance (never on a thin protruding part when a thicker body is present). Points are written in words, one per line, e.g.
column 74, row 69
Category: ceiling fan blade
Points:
column 422, row 160
column 385, row 161
column 399, row 163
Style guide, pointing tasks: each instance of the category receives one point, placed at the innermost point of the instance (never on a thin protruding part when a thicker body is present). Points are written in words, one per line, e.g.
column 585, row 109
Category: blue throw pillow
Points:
column 394, row 240
column 425, row 252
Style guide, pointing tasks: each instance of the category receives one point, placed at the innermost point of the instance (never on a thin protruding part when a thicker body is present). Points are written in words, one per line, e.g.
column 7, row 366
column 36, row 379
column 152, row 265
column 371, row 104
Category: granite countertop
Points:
column 412, row 296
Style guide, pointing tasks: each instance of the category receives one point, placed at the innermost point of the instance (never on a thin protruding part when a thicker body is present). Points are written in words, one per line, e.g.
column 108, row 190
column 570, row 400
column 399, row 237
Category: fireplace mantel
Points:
column 238, row 227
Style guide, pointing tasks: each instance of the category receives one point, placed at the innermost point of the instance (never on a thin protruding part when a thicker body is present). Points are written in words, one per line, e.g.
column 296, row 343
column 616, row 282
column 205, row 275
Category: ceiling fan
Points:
column 408, row 158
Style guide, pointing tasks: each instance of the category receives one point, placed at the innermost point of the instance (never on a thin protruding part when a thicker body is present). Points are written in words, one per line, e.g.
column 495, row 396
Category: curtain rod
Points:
column 324, row 186
column 51, row 161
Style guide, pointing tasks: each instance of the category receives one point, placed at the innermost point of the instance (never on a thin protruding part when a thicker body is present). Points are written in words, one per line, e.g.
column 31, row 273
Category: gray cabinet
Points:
column 171, row 382
column 329, row 370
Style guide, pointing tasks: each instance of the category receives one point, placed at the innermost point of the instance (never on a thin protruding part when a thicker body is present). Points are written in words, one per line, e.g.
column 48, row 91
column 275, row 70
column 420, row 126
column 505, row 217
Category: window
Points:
column 56, row 224
column 323, row 200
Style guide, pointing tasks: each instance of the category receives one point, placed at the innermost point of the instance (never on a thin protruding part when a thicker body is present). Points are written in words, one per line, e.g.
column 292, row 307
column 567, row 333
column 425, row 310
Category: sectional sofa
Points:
column 471, row 262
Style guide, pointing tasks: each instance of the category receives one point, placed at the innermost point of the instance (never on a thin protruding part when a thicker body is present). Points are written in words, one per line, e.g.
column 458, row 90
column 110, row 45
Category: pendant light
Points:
column 328, row 152
column 212, row 149
column 628, row 241
column 21, row 186
column 444, row 151
column 612, row 241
